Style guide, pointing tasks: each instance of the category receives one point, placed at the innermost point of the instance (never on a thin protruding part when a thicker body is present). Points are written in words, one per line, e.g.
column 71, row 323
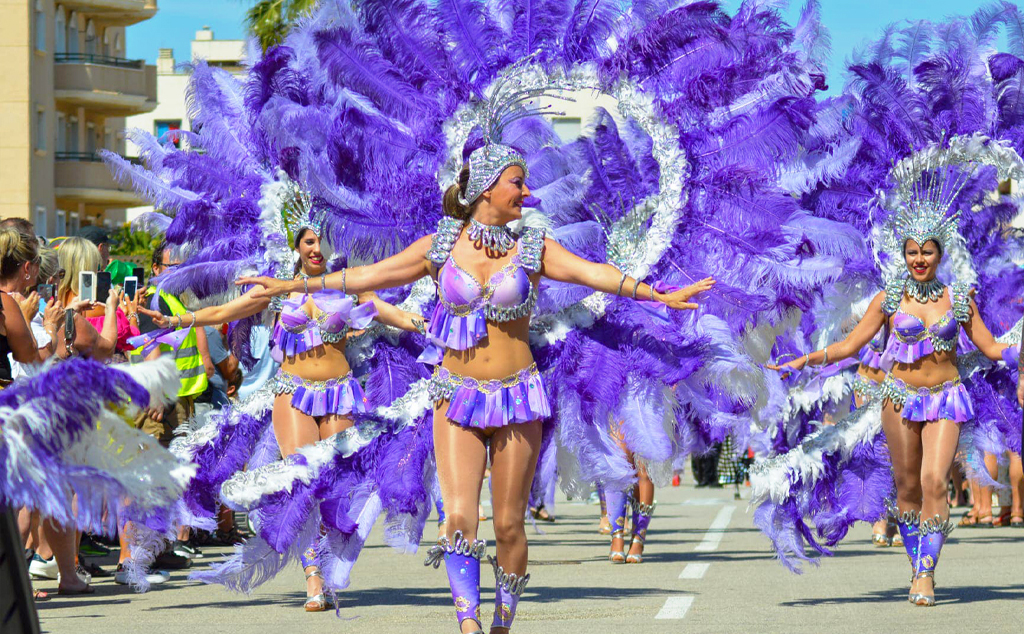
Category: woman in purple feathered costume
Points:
column 840, row 475
column 317, row 399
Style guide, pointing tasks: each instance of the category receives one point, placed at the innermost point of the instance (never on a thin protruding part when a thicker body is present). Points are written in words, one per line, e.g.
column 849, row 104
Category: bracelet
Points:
column 807, row 360
column 636, row 287
column 194, row 320
column 323, row 281
column 344, row 286
column 652, row 293
column 622, row 280
column 305, row 284
column 420, row 326
column 825, row 362
column 174, row 325
column 133, row 316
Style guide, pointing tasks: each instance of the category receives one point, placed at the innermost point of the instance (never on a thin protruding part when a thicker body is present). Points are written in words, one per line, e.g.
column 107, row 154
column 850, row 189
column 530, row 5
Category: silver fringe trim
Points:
column 646, row 510
column 458, row 545
column 509, row 581
column 497, row 238
column 924, row 292
column 937, row 525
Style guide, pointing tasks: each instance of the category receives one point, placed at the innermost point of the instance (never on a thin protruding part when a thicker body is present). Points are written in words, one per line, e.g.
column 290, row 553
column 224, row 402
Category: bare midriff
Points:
column 504, row 352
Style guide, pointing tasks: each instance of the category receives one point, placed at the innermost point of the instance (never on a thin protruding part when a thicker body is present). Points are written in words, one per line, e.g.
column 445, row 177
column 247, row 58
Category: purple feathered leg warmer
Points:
column 462, row 562
column 641, row 520
column 933, row 534
column 507, row 591
column 616, row 501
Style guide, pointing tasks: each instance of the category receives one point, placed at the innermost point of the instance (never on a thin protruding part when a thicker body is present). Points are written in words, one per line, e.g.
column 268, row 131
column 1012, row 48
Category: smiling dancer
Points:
column 317, row 397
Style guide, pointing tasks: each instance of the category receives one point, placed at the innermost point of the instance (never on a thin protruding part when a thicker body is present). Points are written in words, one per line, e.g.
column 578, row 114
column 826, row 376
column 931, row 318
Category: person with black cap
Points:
column 101, row 238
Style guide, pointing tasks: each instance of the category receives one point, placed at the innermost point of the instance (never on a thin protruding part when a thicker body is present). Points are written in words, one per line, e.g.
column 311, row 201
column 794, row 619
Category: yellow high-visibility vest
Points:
column 186, row 358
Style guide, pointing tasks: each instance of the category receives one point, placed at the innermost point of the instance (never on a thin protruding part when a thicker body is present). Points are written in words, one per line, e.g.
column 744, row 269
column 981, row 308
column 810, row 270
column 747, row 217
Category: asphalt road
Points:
column 706, row 570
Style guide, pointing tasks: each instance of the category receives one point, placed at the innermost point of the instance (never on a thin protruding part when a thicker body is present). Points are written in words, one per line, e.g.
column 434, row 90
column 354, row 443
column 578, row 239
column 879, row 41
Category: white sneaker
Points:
column 121, row 576
column 40, row 568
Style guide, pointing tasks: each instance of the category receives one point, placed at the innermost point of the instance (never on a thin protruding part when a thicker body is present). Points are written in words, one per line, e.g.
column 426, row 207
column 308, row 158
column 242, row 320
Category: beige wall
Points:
column 28, row 174
column 15, row 100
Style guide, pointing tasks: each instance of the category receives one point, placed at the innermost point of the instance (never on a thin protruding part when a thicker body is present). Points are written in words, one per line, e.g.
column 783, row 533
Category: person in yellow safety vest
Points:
column 191, row 358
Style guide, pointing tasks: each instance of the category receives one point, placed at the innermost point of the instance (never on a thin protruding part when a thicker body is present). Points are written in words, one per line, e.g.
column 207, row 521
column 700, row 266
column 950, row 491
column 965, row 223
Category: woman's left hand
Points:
column 1020, row 390
column 678, row 300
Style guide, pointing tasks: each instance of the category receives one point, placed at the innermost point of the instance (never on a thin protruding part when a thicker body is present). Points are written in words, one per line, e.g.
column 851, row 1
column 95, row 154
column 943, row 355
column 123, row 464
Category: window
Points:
column 75, row 224
column 73, row 33
column 62, row 133
column 72, row 134
column 40, row 25
column 163, row 127
column 61, row 228
column 90, row 39
column 567, row 128
column 40, row 221
column 117, row 45
column 60, row 32
column 90, row 138
column 40, row 129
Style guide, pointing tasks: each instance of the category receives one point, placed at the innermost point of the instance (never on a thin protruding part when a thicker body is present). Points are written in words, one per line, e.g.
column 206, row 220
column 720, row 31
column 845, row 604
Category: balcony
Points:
column 115, row 12
column 115, row 86
column 82, row 177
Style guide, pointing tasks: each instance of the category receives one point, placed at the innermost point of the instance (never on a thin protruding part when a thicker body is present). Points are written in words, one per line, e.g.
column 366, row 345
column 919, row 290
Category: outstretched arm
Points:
column 982, row 336
column 860, row 336
column 239, row 308
column 559, row 264
column 398, row 270
column 391, row 315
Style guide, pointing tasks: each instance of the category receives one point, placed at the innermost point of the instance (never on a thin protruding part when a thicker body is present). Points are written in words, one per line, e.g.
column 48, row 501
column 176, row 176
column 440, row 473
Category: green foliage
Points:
column 270, row 20
column 124, row 241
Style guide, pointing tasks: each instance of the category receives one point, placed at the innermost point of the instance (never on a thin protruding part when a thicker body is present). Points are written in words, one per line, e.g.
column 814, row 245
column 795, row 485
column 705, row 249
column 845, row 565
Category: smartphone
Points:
column 131, row 286
column 45, row 292
column 87, row 285
column 69, row 328
column 138, row 273
column 102, row 286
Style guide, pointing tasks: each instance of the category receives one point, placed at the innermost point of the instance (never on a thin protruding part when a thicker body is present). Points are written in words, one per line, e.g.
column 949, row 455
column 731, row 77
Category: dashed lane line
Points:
column 694, row 571
column 713, row 537
column 675, row 607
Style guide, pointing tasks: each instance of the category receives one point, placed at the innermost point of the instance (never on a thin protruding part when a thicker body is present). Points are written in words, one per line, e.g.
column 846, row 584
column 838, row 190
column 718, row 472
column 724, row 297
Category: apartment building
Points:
column 67, row 89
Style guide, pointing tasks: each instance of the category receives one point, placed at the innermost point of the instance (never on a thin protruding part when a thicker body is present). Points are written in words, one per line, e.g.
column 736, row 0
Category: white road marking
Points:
column 713, row 537
column 675, row 607
column 694, row 571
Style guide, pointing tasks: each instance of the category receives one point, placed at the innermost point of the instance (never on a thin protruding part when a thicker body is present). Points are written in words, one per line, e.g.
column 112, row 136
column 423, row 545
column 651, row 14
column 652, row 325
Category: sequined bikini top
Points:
column 465, row 305
column 912, row 340
column 296, row 331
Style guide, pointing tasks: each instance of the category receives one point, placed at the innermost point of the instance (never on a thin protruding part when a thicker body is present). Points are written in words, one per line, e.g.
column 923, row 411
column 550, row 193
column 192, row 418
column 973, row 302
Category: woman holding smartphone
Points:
column 116, row 321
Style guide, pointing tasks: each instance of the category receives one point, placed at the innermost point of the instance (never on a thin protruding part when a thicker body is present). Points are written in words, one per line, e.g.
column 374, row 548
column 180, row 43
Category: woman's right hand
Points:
column 272, row 287
column 53, row 316
column 796, row 364
column 159, row 319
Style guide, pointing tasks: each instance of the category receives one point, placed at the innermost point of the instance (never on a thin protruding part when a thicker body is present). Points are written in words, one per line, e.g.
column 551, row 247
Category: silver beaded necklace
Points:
column 924, row 292
column 497, row 238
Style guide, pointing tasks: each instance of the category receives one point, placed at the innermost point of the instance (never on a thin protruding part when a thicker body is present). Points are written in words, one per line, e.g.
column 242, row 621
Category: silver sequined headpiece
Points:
column 510, row 100
column 932, row 190
column 300, row 213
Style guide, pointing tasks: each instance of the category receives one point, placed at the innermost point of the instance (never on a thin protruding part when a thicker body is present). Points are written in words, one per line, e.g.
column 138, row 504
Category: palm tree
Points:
column 270, row 20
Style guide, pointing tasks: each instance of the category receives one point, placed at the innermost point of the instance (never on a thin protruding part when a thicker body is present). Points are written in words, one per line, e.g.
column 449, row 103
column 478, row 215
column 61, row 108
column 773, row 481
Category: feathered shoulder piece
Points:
column 894, row 289
column 441, row 244
column 960, row 295
column 531, row 248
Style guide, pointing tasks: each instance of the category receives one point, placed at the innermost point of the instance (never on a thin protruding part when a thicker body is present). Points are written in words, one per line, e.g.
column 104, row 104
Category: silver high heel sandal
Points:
column 320, row 602
column 924, row 600
column 618, row 556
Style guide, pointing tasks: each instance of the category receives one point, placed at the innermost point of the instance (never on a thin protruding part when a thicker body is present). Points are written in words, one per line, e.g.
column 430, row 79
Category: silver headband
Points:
column 485, row 166
column 931, row 187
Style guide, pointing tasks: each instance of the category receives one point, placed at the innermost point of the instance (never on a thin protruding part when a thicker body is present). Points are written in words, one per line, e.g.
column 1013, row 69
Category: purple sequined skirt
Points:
column 343, row 395
column 949, row 401
column 519, row 398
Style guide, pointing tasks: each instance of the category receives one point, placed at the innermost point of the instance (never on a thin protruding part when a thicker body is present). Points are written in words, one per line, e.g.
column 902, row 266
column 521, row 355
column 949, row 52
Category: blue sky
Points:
column 851, row 23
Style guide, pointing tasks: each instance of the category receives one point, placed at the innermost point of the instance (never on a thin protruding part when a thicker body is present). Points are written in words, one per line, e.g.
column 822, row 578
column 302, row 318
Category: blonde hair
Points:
column 49, row 263
column 16, row 248
column 76, row 255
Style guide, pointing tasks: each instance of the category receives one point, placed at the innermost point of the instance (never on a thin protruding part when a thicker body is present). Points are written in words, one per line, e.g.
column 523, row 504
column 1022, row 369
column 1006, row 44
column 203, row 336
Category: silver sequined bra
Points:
column 466, row 303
